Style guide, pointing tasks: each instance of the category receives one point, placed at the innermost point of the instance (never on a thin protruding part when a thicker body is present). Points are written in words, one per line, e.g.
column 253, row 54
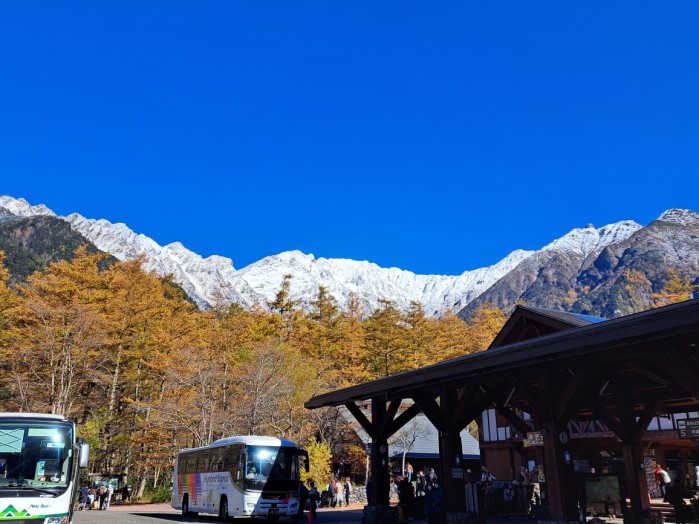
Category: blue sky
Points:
column 435, row 137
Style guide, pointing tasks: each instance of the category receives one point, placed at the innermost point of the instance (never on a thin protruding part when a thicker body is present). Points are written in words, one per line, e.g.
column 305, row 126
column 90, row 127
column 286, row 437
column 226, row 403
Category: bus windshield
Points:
column 266, row 463
column 35, row 454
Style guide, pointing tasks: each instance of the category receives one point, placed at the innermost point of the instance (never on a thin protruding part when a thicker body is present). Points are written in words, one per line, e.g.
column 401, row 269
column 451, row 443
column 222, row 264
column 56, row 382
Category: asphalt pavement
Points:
column 164, row 514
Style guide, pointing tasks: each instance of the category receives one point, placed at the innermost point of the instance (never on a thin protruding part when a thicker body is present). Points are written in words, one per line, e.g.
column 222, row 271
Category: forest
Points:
column 145, row 373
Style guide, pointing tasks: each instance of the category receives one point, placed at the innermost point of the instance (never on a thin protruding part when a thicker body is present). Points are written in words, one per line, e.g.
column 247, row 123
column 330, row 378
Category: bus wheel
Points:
column 223, row 510
column 185, row 507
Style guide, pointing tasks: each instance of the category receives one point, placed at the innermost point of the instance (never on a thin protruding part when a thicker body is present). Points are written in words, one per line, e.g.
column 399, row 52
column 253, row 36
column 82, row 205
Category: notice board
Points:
column 602, row 489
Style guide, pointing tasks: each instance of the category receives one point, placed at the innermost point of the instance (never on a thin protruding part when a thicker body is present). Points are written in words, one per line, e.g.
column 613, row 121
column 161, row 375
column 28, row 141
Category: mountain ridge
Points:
column 214, row 280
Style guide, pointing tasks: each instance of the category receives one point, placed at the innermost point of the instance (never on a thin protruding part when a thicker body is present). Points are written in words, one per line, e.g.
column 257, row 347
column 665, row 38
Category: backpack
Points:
column 664, row 475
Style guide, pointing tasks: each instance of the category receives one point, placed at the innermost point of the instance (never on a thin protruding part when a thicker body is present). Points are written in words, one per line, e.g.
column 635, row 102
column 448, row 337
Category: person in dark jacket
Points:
column 674, row 497
column 303, row 497
column 313, row 497
column 84, row 491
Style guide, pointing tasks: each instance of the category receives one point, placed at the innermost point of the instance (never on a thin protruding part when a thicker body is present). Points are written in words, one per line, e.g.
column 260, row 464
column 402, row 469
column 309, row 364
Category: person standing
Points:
column 406, row 498
column 438, row 515
column 313, row 497
column 428, row 501
column 662, row 478
column 674, row 497
column 420, row 484
column 108, row 499
column 303, row 497
column 431, row 477
column 102, row 492
column 348, row 491
column 332, row 494
column 338, row 494
column 83, row 497
column 409, row 471
column 696, row 478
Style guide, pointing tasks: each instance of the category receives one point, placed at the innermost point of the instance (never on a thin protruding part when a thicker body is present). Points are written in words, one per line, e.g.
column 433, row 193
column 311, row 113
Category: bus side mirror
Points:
column 84, row 454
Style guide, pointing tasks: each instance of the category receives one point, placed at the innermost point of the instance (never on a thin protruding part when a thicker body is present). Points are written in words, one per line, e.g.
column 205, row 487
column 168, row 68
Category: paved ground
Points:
column 164, row 514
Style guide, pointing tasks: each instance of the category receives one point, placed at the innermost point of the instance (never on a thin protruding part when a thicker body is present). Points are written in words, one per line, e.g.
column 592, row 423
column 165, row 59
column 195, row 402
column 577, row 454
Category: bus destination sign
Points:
column 688, row 428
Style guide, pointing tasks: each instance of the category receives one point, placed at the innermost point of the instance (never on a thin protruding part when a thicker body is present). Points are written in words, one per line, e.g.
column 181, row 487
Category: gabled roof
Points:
column 427, row 446
column 427, row 443
column 528, row 322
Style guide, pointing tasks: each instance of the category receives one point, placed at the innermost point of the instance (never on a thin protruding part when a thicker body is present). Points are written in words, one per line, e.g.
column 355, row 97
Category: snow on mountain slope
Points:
column 371, row 283
column 22, row 208
column 214, row 280
column 590, row 241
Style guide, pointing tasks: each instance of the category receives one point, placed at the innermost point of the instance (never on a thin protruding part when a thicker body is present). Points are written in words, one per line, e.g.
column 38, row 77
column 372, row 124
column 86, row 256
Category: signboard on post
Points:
column 688, row 428
column 534, row 438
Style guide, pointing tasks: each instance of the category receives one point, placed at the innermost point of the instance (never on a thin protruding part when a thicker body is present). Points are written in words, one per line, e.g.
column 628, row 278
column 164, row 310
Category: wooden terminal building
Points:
column 563, row 394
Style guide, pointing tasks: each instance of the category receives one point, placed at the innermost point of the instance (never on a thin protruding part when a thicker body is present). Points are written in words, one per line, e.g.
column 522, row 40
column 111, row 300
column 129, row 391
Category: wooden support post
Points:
column 631, row 434
column 560, row 485
column 451, row 455
column 380, row 479
column 636, row 482
column 560, row 488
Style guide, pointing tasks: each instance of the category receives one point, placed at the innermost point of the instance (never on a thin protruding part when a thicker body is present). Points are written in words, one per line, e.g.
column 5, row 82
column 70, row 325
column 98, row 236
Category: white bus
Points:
column 39, row 460
column 249, row 476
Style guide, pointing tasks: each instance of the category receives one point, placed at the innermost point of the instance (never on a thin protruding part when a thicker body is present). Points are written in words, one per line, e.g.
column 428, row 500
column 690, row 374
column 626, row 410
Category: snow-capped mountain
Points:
column 608, row 272
column 214, row 280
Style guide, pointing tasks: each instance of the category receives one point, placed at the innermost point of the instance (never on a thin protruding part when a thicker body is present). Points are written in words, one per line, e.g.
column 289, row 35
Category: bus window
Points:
column 230, row 459
column 217, row 459
column 231, row 462
column 191, row 463
column 203, row 461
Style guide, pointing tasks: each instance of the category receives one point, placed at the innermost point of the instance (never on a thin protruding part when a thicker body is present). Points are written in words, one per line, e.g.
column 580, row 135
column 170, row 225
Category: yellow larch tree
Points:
column 451, row 338
column 386, row 340
column 9, row 301
column 676, row 289
column 484, row 325
column 59, row 362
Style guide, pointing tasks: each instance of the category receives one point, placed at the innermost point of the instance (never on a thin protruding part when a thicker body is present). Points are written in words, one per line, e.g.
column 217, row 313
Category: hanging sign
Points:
column 688, row 428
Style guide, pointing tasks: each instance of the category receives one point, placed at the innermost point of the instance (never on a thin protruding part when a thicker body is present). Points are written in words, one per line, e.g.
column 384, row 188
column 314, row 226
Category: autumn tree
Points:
column 484, row 325
column 451, row 339
column 173, row 392
column 420, row 335
column 676, row 289
column 59, row 362
column 386, row 341
column 265, row 388
column 319, row 459
column 8, row 304
column 633, row 288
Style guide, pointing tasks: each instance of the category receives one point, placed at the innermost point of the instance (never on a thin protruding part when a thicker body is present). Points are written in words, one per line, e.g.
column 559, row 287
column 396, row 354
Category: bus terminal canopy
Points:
column 621, row 372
